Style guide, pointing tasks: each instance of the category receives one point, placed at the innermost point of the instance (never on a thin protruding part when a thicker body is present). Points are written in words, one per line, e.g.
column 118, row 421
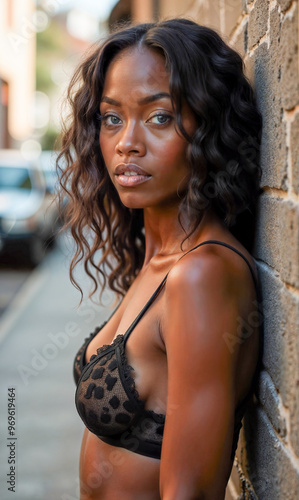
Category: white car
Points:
column 47, row 161
column 28, row 215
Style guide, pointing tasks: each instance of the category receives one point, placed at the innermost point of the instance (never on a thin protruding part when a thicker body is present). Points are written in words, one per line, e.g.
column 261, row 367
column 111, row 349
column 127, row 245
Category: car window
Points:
column 15, row 178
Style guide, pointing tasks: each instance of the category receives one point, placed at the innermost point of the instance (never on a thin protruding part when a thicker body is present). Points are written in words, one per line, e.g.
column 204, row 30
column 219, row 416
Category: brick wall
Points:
column 265, row 33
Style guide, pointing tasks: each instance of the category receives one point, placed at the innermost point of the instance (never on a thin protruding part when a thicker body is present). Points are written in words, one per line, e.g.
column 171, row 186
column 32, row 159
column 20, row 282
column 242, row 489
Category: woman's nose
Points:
column 131, row 141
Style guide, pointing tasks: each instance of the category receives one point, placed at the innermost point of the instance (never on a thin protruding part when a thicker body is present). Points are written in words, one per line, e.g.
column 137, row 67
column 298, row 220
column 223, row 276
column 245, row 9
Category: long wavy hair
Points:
column 223, row 153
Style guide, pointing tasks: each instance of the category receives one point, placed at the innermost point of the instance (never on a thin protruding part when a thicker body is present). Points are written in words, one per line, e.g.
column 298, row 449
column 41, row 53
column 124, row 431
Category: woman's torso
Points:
column 108, row 472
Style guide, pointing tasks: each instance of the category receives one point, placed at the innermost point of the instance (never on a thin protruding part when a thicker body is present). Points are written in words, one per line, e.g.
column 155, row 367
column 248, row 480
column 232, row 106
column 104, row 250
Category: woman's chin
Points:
column 133, row 205
column 133, row 201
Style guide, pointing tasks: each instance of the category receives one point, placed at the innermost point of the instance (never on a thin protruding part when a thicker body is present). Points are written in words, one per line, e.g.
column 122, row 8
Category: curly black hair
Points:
column 223, row 153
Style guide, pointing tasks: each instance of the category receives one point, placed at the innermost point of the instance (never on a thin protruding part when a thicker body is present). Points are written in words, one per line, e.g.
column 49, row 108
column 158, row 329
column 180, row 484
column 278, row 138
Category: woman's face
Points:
column 144, row 155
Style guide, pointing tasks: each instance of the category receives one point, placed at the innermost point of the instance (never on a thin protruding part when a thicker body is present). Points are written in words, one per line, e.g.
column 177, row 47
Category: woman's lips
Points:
column 130, row 174
column 131, row 180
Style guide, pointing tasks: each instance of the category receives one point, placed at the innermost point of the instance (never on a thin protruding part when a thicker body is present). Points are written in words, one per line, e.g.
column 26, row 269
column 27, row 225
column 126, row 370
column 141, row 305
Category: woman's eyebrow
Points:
column 144, row 100
column 154, row 97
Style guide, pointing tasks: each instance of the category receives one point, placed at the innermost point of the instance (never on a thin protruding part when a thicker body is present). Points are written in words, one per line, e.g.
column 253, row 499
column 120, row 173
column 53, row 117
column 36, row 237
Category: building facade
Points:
column 18, row 26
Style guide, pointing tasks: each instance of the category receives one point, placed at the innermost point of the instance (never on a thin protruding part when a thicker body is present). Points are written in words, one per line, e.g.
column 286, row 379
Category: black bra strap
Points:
column 157, row 291
column 238, row 252
column 145, row 308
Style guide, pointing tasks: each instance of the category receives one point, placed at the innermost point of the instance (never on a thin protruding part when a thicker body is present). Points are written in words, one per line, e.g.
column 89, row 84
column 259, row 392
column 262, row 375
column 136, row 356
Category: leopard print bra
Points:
column 107, row 400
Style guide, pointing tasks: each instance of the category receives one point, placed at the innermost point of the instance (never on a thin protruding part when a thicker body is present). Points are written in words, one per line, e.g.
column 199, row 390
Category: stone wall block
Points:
column 214, row 15
column 240, row 44
column 293, row 401
column 283, row 58
column 277, row 237
column 205, row 13
column 239, row 477
column 172, row 8
column 249, row 62
column 279, row 358
column 295, row 153
column 273, row 147
column 258, row 22
column 289, row 61
column 294, row 421
column 235, row 477
column 269, row 399
column 269, row 466
column 228, row 496
column 284, row 4
column 243, row 5
column 276, row 84
column 233, row 10
column 273, row 342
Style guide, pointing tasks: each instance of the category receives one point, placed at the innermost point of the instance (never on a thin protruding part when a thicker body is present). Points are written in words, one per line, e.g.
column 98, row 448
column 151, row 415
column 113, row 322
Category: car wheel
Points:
column 36, row 251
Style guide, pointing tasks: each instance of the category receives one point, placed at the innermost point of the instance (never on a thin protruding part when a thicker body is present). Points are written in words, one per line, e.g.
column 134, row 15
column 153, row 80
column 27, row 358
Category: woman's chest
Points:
column 144, row 348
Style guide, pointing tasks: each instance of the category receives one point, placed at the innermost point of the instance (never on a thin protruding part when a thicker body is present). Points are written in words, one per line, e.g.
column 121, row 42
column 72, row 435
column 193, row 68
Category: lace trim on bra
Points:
column 128, row 382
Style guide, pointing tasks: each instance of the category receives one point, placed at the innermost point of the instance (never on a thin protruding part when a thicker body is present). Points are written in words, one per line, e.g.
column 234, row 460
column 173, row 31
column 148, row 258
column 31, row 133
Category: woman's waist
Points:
column 107, row 470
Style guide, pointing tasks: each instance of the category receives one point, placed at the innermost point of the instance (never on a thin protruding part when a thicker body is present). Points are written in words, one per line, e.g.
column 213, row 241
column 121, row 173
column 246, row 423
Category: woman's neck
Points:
column 164, row 233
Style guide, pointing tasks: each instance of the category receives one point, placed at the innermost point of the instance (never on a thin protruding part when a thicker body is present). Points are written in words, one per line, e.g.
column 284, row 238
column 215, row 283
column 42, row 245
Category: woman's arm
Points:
column 203, row 303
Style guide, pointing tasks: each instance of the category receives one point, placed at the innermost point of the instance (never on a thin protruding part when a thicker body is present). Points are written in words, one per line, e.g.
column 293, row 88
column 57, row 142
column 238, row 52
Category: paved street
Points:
column 40, row 333
column 11, row 281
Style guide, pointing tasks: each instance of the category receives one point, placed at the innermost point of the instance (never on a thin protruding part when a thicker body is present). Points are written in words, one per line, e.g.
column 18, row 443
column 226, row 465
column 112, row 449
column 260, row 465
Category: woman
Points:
column 162, row 119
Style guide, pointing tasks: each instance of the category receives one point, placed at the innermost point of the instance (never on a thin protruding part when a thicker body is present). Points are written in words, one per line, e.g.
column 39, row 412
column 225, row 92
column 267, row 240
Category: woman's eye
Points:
column 160, row 119
column 110, row 120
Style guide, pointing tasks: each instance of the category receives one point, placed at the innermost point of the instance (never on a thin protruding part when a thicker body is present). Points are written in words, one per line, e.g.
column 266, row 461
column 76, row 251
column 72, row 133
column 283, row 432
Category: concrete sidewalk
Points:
column 39, row 336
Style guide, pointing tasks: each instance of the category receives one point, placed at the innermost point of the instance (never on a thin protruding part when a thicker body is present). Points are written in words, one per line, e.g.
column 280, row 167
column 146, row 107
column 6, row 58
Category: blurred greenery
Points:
column 50, row 47
column 51, row 140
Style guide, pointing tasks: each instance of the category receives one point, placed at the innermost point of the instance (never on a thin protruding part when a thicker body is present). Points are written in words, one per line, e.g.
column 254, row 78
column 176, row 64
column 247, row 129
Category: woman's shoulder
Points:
column 209, row 289
column 218, row 263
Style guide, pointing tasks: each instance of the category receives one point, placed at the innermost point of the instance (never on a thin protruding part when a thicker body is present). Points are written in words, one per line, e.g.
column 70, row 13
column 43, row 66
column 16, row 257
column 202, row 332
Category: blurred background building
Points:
column 40, row 44
column 17, row 70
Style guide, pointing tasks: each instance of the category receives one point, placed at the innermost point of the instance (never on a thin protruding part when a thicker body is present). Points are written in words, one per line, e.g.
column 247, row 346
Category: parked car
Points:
column 28, row 215
column 48, row 164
